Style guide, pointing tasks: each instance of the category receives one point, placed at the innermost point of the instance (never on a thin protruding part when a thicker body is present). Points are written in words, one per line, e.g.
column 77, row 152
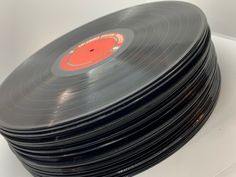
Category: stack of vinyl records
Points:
column 115, row 96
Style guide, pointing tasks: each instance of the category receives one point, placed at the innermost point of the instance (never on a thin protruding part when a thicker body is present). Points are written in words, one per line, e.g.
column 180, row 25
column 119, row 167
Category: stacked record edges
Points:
column 132, row 135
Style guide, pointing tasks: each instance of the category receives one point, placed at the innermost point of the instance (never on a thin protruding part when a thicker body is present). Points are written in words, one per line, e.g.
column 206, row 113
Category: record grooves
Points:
column 115, row 96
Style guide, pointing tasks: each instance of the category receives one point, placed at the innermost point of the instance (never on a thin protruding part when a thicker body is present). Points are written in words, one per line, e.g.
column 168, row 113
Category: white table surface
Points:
column 210, row 153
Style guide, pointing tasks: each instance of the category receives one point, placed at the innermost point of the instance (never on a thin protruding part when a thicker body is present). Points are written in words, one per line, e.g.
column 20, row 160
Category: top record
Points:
column 100, row 65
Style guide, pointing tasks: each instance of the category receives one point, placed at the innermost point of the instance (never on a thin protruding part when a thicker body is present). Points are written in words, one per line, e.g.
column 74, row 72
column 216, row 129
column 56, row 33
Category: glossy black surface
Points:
column 163, row 34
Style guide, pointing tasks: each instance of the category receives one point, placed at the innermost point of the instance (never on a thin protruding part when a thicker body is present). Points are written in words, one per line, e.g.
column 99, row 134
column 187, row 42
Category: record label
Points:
column 92, row 51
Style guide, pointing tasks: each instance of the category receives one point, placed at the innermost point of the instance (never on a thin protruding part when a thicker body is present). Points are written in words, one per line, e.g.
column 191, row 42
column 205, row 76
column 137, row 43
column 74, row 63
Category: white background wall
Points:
column 27, row 25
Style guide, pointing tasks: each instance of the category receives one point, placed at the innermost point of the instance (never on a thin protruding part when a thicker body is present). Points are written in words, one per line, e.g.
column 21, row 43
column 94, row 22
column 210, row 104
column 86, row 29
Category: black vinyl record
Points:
column 115, row 96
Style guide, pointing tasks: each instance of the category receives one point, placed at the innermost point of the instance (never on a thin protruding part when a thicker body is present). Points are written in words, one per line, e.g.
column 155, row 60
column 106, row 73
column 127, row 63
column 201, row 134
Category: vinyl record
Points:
column 115, row 96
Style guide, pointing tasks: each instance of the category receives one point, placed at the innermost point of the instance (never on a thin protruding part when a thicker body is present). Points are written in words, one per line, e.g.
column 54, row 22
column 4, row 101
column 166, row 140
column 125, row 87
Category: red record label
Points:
column 91, row 52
